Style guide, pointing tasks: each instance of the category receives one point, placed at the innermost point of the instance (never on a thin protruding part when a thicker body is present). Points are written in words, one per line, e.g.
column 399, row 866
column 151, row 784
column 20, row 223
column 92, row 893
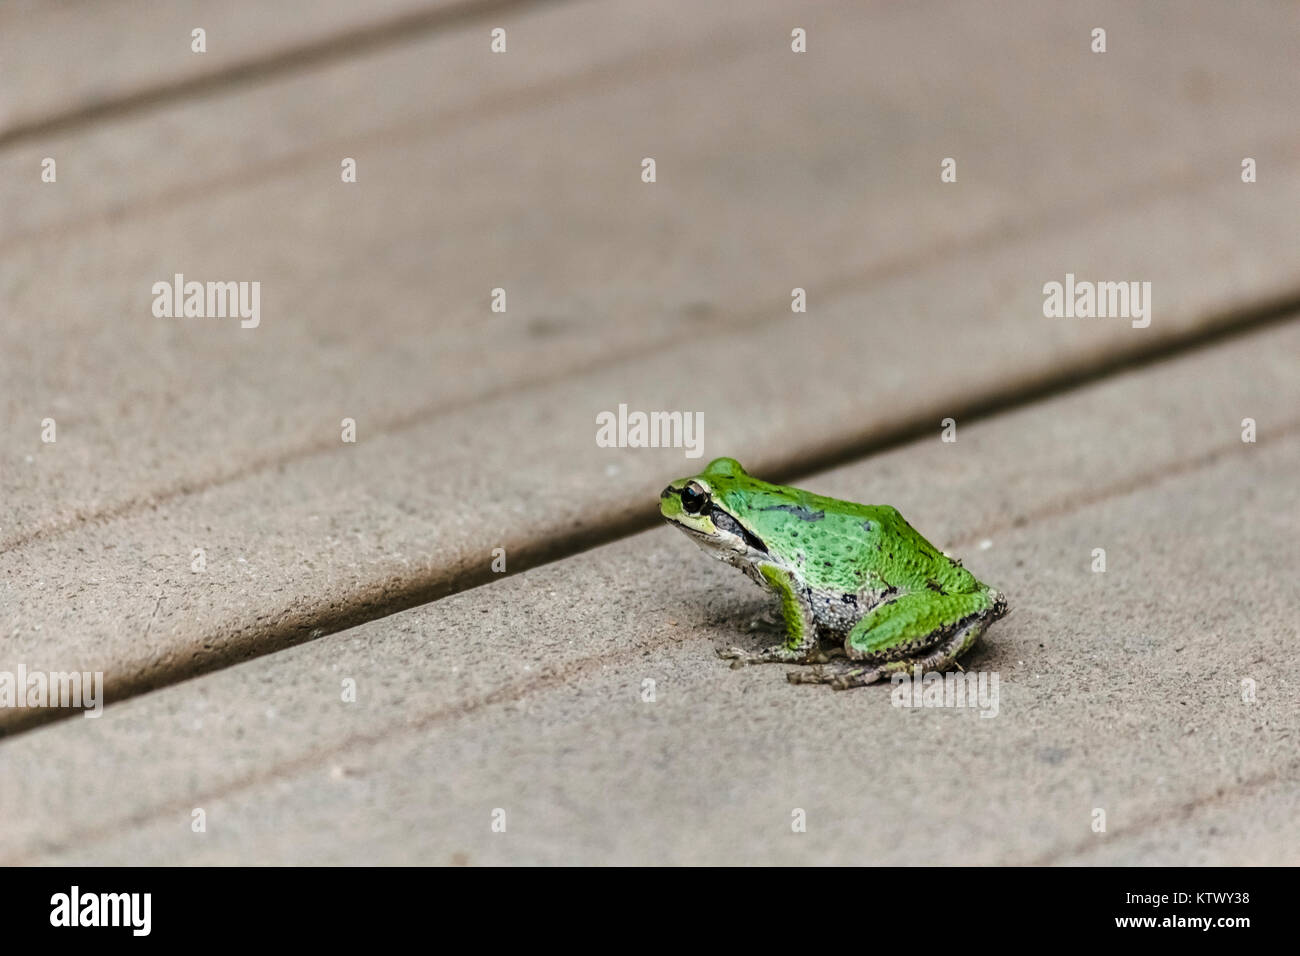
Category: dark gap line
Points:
column 515, row 691
column 380, row 601
column 1236, row 323
column 402, row 27
column 1181, row 813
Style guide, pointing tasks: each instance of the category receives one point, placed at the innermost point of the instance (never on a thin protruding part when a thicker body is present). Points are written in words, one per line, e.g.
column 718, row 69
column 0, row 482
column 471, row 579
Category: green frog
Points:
column 858, row 586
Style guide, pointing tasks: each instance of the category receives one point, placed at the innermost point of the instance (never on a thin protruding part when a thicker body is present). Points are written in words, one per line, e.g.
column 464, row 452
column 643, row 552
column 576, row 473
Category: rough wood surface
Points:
column 476, row 429
column 1120, row 690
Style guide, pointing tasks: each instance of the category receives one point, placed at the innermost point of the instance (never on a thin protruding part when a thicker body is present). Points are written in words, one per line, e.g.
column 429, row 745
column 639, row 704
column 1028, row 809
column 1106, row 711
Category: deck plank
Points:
column 1117, row 690
column 373, row 289
column 329, row 538
column 477, row 431
column 64, row 63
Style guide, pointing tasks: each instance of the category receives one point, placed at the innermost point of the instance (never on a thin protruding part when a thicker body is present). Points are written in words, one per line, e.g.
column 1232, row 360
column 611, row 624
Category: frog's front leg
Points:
column 800, row 645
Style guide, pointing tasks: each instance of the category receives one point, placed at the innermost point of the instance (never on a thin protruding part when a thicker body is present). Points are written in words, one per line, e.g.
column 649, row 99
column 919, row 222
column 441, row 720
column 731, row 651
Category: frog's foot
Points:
column 840, row 677
column 778, row 654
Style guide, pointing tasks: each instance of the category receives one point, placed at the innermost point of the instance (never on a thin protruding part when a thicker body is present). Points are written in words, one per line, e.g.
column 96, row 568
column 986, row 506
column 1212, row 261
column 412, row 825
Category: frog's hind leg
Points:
column 900, row 635
column 857, row 674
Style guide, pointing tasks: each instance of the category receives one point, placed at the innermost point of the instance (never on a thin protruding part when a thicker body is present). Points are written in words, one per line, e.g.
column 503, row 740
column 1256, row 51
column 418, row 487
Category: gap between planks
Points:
column 576, row 670
column 389, row 31
column 363, row 607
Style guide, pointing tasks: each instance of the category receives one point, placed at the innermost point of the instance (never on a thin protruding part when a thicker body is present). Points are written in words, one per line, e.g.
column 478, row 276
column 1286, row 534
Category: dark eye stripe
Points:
column 725, row 522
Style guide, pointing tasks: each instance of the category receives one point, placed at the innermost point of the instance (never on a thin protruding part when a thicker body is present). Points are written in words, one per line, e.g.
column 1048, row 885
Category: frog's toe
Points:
column 858, row 677
column 811, row 675
column 1000, row 607
column 739, row 657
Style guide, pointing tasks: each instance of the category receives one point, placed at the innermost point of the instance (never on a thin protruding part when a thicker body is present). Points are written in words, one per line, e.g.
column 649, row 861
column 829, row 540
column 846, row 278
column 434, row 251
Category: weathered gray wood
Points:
column 476, row 431
column 72, row 63
column 1119, row 690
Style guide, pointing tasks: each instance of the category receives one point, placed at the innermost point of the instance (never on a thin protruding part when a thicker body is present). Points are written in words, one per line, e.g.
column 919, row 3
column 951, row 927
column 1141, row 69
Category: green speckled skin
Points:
column 845, row 572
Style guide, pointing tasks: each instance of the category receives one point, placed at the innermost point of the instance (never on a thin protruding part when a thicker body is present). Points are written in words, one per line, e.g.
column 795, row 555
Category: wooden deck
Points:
column 200, row 533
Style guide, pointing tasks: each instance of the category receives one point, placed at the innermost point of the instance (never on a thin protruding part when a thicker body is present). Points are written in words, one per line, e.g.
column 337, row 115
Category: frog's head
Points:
column 713, row 509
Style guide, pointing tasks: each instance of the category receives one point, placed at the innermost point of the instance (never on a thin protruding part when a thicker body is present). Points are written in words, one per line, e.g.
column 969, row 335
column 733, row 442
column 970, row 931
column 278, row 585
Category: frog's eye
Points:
column 694, row 498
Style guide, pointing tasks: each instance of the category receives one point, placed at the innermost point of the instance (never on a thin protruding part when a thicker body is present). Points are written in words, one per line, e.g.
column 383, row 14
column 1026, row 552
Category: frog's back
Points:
column 842, row 546
column 892, row 551
column 917, row 564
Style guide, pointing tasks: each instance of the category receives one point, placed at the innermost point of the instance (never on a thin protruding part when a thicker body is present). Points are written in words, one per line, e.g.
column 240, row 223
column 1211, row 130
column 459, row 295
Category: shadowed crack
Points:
column 566, row 675
column 293, row 627
column 388, row 31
